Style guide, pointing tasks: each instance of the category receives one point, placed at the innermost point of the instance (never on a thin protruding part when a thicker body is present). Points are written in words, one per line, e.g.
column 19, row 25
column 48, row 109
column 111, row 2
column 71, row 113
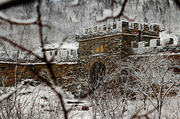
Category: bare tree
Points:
column 155, row 80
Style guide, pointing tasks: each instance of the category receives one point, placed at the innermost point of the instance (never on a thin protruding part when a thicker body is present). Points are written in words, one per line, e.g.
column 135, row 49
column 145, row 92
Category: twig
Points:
column 144, row 115
column 121, row 13
column 20, row 47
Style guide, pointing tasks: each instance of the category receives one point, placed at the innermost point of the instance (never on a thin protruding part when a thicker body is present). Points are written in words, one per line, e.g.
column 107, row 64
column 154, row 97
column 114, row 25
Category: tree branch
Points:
column 20, row 47
column 4, row 4
column 16, row 21
column 8, row 95
column 120, row 13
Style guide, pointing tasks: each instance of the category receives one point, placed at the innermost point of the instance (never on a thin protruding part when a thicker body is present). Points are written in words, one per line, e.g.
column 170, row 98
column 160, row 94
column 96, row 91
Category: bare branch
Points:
column 16, row 21
column 120, row 13
column 167, row 91
column 8, row 95
column 48, row 64
column 4, row 4
column 20, row 47
column 21, row 22
column 144, row 115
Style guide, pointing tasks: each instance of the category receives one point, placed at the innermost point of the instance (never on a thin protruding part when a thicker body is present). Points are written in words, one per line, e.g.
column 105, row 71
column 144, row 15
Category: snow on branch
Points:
column 136, row 116
column 4, row 4
column 17, row 21
column 6, row 96
column 115, row 13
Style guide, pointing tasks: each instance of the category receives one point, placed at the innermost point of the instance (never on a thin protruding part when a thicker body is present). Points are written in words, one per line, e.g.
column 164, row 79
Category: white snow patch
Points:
column 109, row 13
column 165, row 37
column 75, row 2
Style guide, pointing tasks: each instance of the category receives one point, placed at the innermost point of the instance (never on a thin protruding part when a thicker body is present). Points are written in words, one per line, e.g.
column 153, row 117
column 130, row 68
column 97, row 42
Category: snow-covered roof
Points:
column 59, row 46
column 63, row 46
column 37, row 63
column 54, row 46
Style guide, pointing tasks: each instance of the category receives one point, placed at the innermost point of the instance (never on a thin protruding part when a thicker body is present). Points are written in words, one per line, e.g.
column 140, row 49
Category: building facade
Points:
column 102, row 47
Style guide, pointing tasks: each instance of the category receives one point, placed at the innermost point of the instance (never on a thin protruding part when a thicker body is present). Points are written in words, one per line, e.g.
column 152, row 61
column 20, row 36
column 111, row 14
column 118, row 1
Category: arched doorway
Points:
column 97, row 74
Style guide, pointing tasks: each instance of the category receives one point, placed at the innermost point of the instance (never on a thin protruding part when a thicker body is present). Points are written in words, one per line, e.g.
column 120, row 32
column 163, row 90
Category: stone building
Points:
column 101, row 46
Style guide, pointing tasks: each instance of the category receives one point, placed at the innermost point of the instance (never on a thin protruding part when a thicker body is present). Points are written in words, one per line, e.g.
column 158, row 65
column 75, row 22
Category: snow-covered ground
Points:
column 41, row 102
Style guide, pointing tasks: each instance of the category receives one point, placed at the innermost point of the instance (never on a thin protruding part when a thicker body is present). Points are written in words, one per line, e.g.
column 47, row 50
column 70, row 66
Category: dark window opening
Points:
column 86, row 31
column 104, row 27
column 114, row 26
column 72, row 52
column 124, row 72
column 140, row 36
column 150, row 27
column 136, row 25
column 158, row 42
column 51, row 53
column 55, row 53
column 97, row 74
column 109, row 28
column 171, row 41
column 95, row 29
column 134, row 44
column 147, row 44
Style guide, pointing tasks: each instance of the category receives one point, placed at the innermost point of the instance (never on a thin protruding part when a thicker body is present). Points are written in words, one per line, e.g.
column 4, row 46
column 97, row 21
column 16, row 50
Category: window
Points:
column 147, row 43
column 158, row 42
column 171, row 41
column 90, row 30
column 99, row 48
column 56, row 53
column 134, row 44
column 114, row 26
column 51, row 53
column 136, row 25
column 86, row 31
column 141, row 26
column 109, row 27
column 99, row 29
column 102, row 48
column 72, row 52
column 140, row 36
column 104, row 27
column 150, row 27
column 95, row 29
